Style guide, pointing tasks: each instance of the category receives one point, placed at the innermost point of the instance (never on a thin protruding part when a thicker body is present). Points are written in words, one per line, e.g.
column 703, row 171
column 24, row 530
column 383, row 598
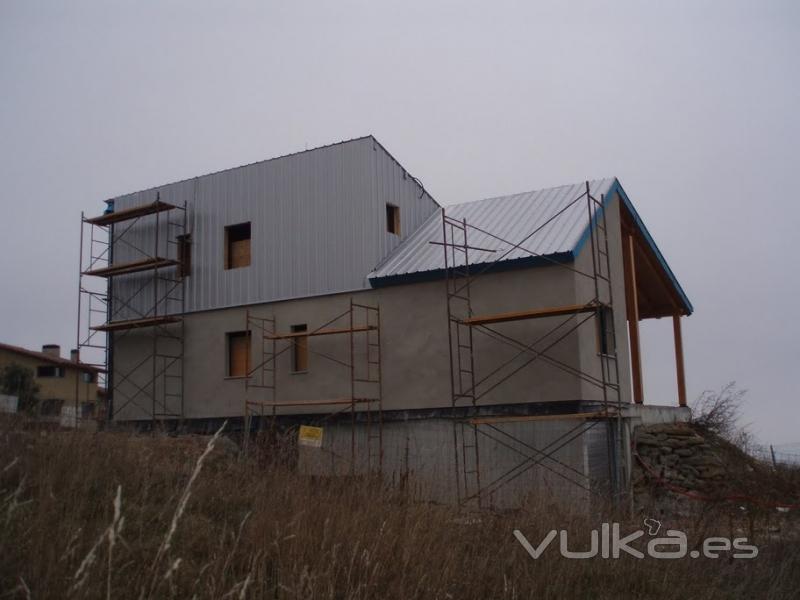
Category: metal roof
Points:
column 558, row 216
column 56, row 360
column 550, row 223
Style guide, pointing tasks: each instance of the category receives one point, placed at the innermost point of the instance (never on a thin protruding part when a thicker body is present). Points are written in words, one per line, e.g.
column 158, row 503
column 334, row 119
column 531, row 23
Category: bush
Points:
column 116, row 515
column 16, row 380
column 720, row 412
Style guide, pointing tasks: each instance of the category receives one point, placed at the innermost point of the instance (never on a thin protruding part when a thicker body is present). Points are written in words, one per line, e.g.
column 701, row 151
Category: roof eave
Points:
column 524, row 262
column 616, row 187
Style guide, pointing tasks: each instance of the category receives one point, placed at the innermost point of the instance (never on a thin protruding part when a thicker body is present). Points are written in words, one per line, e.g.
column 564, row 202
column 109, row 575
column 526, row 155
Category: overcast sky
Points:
column 695, row 106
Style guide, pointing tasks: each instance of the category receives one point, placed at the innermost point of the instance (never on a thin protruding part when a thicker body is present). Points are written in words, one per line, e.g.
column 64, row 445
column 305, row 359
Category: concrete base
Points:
column 526, row 457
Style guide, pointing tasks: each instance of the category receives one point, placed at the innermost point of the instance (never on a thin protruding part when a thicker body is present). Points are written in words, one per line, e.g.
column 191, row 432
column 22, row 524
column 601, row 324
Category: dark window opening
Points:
column 393, row 219
column 49, row 371
column 237, row 246
column 88, row 377
column 299, row 349
column 605, row 332
column 238, row 353
column 184, row 255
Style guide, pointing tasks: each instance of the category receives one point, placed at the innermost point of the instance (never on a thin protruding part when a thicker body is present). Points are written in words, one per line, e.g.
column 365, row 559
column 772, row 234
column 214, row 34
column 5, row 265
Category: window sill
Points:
column 299, row 372
column 227, row 377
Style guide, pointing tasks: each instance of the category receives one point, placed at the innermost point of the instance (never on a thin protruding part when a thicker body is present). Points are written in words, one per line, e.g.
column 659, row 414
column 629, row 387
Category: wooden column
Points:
column 632, row 301
column 676, row 328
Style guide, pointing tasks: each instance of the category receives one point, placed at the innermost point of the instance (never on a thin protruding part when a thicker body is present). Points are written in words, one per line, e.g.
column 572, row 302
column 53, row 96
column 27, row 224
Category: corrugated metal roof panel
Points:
column 538, row 223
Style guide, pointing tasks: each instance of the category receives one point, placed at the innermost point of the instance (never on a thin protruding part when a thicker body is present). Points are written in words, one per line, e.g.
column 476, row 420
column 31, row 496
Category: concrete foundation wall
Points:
column 420, row 454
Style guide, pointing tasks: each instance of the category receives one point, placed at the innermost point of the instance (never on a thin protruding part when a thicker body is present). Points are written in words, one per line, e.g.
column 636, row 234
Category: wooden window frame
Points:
column 238, row 234
column 230, row 371
column 392, row 219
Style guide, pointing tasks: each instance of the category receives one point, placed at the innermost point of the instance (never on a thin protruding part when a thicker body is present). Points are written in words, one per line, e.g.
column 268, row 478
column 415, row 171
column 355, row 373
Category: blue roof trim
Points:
column 617, row 187
column 496, row 267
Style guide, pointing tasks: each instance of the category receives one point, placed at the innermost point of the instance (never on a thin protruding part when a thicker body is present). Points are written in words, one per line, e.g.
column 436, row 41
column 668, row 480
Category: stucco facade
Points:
column 414, row 340
column 58, row 381
column 347, row 224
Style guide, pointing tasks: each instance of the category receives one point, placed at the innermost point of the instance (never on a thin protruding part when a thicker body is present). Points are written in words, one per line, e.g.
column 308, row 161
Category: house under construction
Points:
column 487, row 350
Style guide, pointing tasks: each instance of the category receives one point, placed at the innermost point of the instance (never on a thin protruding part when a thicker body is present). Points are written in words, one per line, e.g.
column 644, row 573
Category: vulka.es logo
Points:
column 609, row 543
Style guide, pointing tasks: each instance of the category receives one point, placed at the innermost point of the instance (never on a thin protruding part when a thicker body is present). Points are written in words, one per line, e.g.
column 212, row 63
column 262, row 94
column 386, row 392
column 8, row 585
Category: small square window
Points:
column 238, row 353
column 393, row 219
column 237, row 246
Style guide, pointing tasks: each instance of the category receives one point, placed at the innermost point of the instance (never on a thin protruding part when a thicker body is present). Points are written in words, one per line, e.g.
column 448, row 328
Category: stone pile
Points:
column 679, row 456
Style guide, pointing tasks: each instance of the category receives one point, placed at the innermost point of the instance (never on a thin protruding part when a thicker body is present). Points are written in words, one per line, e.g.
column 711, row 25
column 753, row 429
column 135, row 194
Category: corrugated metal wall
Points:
column 317, row 226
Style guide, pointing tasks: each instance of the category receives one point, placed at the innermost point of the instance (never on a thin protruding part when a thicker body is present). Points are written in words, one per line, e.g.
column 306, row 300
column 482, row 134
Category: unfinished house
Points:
column 485, row 351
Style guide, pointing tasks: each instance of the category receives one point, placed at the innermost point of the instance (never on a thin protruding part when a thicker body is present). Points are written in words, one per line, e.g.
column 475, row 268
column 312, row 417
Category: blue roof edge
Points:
column 616, row 186
column 496, row 267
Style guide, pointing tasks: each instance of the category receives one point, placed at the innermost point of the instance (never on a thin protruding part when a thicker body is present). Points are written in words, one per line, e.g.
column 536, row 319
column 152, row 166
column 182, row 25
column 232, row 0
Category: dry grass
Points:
column 123, row 516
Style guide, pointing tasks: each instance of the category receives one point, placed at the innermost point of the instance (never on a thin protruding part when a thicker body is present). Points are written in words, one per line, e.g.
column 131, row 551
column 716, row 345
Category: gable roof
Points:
column 548, row 225
column 372, row 138
column 49, row 358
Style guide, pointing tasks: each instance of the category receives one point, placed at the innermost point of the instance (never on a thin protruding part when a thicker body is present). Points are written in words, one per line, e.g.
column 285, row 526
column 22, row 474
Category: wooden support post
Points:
column 676, row 328
column 632, row 302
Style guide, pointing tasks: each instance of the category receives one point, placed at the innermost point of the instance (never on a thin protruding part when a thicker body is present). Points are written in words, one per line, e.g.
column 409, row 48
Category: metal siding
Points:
column 511, row 218
column 317, row 226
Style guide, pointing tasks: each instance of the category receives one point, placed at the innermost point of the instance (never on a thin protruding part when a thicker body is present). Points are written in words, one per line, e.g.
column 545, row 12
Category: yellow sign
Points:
column 310, row 436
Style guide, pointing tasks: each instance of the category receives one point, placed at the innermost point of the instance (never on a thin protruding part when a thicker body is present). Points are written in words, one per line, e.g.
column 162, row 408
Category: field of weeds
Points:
column 123, row 516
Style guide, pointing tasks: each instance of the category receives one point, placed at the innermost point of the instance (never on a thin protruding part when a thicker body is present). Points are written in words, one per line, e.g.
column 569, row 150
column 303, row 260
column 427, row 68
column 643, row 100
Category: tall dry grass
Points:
column 125, row 516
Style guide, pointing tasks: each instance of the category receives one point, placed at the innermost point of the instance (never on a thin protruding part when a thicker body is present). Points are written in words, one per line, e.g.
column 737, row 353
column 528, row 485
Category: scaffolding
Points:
column 467, row 391
column 361, row 324
column 144, row 293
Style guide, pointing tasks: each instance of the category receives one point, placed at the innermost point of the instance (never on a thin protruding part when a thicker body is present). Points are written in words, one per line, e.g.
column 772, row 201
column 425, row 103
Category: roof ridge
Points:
column 535, row 191
column 250, row 164
column 47, row 357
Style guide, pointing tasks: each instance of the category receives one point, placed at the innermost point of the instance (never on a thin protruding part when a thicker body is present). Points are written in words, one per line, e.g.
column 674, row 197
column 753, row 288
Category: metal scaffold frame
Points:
column 363, row 326
column 467, row 390
column 160, row 393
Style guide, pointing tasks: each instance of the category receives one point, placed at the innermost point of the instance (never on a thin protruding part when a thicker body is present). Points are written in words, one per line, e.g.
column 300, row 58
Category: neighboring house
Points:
column 59, row 379
column 311, row 289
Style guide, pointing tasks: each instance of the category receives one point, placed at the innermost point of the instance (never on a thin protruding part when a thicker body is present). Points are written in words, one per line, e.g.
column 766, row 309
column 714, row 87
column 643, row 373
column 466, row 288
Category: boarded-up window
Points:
column 238, row 353
column 237, row 246
column 184, row 255
column 393, row 219
column 299, row 349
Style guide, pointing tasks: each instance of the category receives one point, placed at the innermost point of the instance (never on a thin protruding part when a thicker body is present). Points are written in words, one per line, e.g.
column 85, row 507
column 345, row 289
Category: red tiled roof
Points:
column 56, row 360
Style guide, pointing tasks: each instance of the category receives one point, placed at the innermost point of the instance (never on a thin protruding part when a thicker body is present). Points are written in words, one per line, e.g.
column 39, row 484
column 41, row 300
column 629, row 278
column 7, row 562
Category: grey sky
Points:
column 693, row 105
